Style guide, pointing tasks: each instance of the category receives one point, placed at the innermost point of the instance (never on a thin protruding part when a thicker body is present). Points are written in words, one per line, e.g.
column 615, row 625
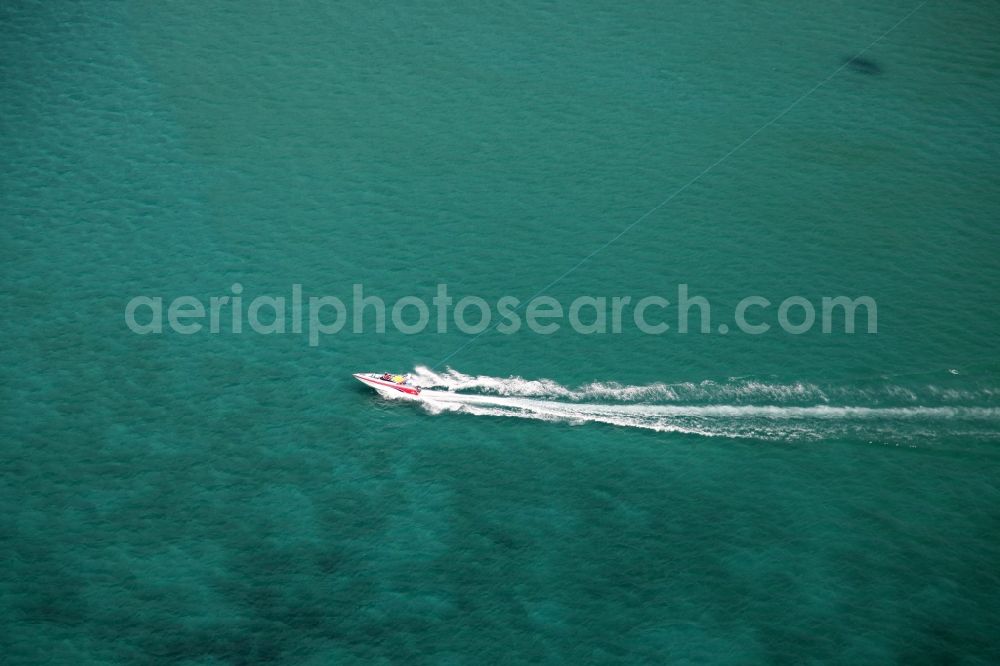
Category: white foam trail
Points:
column 534, row 399
column 738, row 390
column 704, row 411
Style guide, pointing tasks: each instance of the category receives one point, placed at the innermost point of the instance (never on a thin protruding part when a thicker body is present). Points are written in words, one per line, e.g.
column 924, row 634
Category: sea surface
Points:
column 611, row 498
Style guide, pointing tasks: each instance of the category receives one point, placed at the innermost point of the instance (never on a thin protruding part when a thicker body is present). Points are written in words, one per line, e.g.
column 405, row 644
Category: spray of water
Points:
column 736, row 408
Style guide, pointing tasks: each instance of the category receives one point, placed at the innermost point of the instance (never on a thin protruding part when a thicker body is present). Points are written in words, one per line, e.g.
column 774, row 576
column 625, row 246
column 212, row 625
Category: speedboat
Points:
column 388, row 384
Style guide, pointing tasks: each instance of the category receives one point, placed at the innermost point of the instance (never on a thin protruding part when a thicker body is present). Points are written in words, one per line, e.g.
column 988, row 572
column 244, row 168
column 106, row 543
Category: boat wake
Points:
column 736, row 408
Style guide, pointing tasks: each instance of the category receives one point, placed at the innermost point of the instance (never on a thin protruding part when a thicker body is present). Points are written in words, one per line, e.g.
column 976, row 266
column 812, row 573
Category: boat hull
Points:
column 386, row 388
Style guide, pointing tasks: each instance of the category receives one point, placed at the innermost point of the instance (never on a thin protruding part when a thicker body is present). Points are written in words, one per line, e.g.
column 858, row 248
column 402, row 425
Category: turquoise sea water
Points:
column 615, row 498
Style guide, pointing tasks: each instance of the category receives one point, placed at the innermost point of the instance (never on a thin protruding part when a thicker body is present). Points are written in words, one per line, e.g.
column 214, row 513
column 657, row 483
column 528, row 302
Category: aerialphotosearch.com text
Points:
column 321, row 316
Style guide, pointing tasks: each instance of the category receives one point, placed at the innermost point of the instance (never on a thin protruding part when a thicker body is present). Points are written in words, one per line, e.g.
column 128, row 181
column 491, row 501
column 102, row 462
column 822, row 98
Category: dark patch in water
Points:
column 863, row 65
